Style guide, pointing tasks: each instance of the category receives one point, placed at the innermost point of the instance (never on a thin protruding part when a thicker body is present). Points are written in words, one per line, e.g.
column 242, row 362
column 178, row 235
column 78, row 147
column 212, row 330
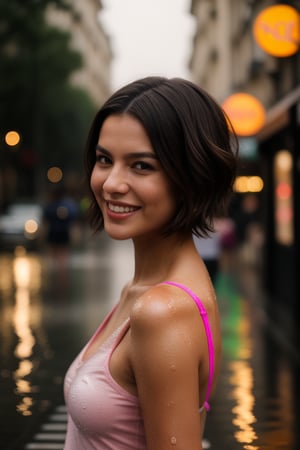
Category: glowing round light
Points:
column 246, row 113
column 31, row 227
column 284, row 160
column 54, row 174
column 255, row 184
column 245, row 184
column 283, row 191
column 277, row 30
column 240, row 184
column 12, row 138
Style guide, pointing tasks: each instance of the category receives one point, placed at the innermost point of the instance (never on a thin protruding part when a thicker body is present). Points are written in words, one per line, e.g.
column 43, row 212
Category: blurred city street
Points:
column 49, row 308
column 60, row 61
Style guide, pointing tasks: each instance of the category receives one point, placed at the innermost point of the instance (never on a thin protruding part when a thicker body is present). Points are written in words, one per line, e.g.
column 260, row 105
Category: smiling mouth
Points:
column 121, row 209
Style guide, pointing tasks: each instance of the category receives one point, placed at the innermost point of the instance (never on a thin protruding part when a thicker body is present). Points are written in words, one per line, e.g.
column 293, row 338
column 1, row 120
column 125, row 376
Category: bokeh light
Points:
column 12, row 138
column 245, row 184
column 54, row 174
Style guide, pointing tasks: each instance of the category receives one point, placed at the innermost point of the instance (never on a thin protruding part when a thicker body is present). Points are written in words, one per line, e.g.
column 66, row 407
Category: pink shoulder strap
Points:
column 210, row 343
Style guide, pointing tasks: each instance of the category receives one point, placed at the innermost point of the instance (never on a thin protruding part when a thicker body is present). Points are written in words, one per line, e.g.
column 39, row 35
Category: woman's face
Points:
column 129, row 184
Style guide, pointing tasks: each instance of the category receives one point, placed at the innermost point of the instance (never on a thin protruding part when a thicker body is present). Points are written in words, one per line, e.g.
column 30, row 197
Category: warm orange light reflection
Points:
column 20, row 284
column 22, row 325
column 12, row 138
column 277, row 30
column 242, row 383
column 24, row 369
column 25, row 270
column 24, row 406
column 245, row 184
column 246, row 113
column 21, row 320
column 54, row 174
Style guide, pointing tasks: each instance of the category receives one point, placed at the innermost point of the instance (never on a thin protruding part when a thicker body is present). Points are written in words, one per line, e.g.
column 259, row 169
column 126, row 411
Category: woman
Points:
column 160, row 163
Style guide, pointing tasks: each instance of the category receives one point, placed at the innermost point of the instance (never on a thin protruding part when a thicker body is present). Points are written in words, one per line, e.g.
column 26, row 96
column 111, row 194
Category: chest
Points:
column 98, row 405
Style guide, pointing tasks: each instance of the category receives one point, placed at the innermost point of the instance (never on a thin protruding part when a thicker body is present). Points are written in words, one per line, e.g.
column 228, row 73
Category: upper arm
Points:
column 165, row 357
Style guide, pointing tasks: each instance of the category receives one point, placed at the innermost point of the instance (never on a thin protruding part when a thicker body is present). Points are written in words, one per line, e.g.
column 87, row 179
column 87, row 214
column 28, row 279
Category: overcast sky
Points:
column 148, row 37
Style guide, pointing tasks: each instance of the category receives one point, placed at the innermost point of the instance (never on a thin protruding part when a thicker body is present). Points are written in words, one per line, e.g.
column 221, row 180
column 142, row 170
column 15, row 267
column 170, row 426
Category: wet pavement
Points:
column 50, row 308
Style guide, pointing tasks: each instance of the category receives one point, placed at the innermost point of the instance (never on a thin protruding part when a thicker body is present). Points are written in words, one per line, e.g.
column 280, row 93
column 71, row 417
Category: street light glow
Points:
column 54, row 174
column 12, row 138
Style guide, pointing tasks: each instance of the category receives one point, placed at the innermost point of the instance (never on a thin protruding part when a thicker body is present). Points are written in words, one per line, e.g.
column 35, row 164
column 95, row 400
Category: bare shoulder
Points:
column 161, row 306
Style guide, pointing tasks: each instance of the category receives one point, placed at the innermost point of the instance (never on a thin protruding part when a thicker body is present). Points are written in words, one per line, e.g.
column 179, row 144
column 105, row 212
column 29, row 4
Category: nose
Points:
column 116, row 181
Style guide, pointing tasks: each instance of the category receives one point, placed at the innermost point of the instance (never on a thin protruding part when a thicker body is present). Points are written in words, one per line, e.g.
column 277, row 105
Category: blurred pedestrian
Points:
column 245, row 216
column 160, row 164
column 228, row 243
column 209, row 248
column 59, row 215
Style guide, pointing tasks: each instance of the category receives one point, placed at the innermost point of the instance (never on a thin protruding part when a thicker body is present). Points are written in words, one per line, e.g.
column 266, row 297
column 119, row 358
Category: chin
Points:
column 121, row 233
column 117, row 235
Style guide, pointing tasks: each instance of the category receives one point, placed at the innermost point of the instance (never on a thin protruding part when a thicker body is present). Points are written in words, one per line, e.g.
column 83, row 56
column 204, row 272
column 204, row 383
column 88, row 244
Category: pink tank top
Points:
column 101, row 414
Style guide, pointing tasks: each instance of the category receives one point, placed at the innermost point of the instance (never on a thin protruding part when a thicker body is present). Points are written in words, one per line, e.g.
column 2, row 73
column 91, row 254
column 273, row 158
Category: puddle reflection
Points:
column 257, row 376
column 21, row 282
column 242, row 382
column 242, row 388
column 238, row 346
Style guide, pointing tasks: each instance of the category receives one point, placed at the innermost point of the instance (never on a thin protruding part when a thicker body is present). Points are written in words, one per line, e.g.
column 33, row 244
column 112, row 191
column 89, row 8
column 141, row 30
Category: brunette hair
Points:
column 193, row 141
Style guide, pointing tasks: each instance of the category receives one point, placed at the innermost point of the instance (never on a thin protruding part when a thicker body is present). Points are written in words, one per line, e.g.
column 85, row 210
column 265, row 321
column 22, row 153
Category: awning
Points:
column 278, row 115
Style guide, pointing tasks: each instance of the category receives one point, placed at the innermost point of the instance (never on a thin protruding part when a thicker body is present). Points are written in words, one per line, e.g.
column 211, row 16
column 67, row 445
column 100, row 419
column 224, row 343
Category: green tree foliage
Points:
column 36, row 62
column 74, row 114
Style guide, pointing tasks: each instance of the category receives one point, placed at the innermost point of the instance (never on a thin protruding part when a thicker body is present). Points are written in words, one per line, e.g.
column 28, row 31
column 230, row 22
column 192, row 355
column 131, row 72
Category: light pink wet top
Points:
column 101, row 414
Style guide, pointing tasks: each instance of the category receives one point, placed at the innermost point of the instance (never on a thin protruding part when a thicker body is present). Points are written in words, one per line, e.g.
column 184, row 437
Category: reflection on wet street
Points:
column 27, row 277
column 254, row 407
column 49, row 308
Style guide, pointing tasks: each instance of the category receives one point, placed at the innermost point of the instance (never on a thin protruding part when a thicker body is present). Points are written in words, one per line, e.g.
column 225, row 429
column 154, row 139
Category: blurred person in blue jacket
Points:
column 59, row 215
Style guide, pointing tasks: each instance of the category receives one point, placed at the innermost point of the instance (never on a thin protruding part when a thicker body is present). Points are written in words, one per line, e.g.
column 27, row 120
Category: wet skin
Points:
column 163, row 357
column 130, row 186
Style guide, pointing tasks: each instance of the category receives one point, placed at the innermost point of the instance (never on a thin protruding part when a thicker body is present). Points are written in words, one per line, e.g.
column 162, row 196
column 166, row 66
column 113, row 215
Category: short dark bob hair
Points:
column 192, row 139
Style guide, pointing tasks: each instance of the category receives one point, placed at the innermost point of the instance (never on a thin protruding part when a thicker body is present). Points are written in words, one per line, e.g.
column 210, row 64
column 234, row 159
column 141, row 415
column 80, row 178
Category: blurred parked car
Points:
column 21, row 225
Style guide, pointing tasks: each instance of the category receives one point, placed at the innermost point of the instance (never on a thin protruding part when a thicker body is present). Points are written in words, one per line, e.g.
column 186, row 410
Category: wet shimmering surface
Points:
column 254, row 407
column 49, row 309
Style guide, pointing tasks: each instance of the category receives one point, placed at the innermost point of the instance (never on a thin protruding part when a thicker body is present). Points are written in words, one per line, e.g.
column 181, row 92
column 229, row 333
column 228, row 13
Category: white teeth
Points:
column 120, row 209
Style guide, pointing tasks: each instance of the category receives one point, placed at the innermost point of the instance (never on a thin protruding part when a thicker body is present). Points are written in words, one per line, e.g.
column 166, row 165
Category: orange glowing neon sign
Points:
column 277, row 30
column 246, row 113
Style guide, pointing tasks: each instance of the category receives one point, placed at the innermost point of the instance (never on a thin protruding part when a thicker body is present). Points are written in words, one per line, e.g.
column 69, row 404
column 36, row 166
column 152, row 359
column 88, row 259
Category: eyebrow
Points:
column 128, row 155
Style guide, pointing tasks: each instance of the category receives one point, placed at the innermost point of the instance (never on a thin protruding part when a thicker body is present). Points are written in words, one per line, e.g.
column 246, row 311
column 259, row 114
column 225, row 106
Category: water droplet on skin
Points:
column 173, row 440
column 173, row 367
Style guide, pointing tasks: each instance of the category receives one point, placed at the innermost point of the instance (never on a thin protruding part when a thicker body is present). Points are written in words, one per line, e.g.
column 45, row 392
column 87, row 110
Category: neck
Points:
column 156, row 259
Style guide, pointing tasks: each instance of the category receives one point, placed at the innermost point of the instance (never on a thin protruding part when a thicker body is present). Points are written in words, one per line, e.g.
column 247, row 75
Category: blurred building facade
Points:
column 91, row 41
column 226, row 59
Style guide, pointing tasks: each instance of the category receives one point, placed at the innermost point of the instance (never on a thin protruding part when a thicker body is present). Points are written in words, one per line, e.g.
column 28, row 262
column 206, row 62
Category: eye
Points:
column 142, row 166
column 102, row 159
